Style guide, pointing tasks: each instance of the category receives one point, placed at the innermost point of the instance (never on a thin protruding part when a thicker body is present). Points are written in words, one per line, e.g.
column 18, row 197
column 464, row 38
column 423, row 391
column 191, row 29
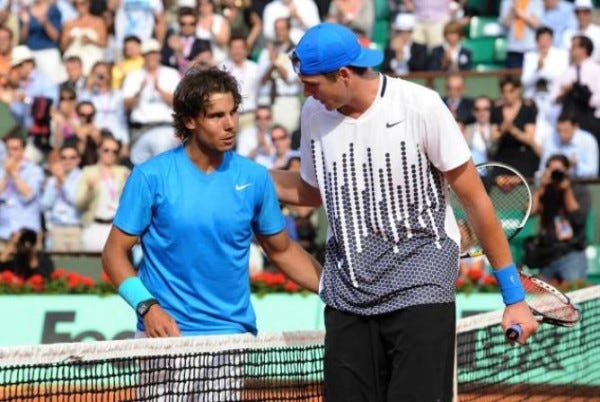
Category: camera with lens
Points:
column 558, row 175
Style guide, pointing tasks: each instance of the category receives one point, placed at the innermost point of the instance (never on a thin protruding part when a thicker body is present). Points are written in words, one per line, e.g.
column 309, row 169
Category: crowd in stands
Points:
column 90, row 86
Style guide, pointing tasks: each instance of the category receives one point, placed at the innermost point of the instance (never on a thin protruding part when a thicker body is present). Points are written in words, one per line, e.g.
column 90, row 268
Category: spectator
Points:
column 302, row 14
column 583, row 14
column 578, row 88
column 460, row 105
column 9, row 18
column 559, row 16
column 479, row 133
column 6, row 38
column 280, row 84
column 244, row 20
column 540, row 70
column 543, row 65
column 98, row 194
column 579, row 146
column 20, row 187
column 85, row 36
column 563, row 207
column 88, row 134
column 255, row 141
column 31, row 101
column 23, row 257
column 282, row 150
column 143, row 19
column 403, row 55
column 108, row 103
column 149, row 91
column 65, row 121
column 520, row 18
column 214, row 28
column 513, row 129
column 40, row 28
column 431, row 16
column 182, row 45
column 58, row 201
column 113, row 50
column 203, row 60
column 75, row 78
column 246, row 73
column 132, row 60
column 358, row 15
column 153, row 142
column 451, row 55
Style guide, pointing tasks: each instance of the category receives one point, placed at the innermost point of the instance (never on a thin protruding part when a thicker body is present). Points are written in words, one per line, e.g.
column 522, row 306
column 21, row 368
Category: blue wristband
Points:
column 133, row 291
column 510, row 285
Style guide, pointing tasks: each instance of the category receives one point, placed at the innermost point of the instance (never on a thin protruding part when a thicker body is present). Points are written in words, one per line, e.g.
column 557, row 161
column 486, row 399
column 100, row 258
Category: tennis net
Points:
column 558, row 364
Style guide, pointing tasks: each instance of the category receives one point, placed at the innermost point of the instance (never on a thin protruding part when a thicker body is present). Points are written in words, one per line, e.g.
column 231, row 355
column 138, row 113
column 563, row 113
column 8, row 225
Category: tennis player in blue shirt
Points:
column 195, row 209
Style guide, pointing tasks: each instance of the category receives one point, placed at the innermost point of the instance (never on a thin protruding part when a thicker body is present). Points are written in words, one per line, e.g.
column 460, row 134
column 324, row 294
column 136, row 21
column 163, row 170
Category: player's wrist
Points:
column 134, row 292
column 510, row 285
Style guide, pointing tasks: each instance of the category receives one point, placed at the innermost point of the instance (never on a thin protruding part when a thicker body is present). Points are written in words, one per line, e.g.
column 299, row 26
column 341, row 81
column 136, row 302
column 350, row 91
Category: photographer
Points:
column 563, row 207
column 23, row 258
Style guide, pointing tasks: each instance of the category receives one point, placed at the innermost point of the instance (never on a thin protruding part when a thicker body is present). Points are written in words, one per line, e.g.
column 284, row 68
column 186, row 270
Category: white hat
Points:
column 404, row 22
column 583, row 5
column 20, row 54
column 150, row 45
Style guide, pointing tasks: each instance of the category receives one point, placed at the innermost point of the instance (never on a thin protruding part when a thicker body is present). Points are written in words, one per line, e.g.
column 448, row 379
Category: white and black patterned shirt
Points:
column 392, row 239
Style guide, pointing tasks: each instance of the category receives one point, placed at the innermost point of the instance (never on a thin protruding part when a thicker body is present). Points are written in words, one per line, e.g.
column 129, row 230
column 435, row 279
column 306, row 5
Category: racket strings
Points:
column 511, row 199
column 548, row 302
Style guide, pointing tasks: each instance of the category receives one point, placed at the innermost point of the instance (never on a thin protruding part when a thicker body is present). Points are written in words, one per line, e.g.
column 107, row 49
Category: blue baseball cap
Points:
column 327, row 47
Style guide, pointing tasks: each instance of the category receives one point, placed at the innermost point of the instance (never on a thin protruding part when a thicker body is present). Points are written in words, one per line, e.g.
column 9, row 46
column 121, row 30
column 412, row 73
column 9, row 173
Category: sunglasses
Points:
column 187, row 24
column 110, row 150
column 277, row 139
column 67, row 98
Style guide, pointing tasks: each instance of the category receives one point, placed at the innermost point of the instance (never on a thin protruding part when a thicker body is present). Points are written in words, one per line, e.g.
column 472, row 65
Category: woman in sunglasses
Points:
column 98, row 194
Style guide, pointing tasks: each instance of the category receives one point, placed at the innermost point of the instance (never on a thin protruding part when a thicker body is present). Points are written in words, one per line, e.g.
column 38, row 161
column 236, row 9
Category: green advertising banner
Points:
column 36, row 319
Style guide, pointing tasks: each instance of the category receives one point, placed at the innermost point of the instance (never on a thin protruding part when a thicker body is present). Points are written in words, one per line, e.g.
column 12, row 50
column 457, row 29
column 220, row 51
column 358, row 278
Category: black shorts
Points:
column 403, row 356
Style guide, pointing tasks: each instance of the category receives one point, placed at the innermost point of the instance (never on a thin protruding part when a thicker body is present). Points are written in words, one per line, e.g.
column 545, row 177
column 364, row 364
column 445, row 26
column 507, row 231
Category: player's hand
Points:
column 519, row 313
column 159, row 324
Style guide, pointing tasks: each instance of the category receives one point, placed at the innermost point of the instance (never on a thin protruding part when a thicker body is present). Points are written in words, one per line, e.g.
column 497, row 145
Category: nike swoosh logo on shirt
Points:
column 390, row 125
column 240, row 187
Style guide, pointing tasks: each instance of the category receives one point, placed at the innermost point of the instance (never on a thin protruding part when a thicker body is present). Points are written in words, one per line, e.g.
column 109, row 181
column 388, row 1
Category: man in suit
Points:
column 182, row 46
column 461, row 106
column 403, row 55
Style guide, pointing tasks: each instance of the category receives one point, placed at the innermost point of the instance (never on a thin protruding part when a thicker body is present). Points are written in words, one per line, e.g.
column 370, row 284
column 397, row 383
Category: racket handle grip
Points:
column 514, row 332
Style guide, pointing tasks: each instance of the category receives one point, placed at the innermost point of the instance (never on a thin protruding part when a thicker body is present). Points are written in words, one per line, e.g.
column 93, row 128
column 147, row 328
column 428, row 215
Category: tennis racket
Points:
column 548, row 305
column 511, row 198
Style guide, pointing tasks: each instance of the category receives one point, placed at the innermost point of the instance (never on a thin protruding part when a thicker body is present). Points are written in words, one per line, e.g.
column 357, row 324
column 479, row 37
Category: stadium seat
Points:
column 381, row 26
column 381, row 33
column 592, row 253
column 500, row 50
column 480, row 27
column 483, row 51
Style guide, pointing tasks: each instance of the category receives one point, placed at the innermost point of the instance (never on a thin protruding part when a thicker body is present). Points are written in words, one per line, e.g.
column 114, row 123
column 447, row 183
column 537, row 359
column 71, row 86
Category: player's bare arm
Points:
column 291, row 189
column 291, row 259
column 465, row 182
column 116, row 264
